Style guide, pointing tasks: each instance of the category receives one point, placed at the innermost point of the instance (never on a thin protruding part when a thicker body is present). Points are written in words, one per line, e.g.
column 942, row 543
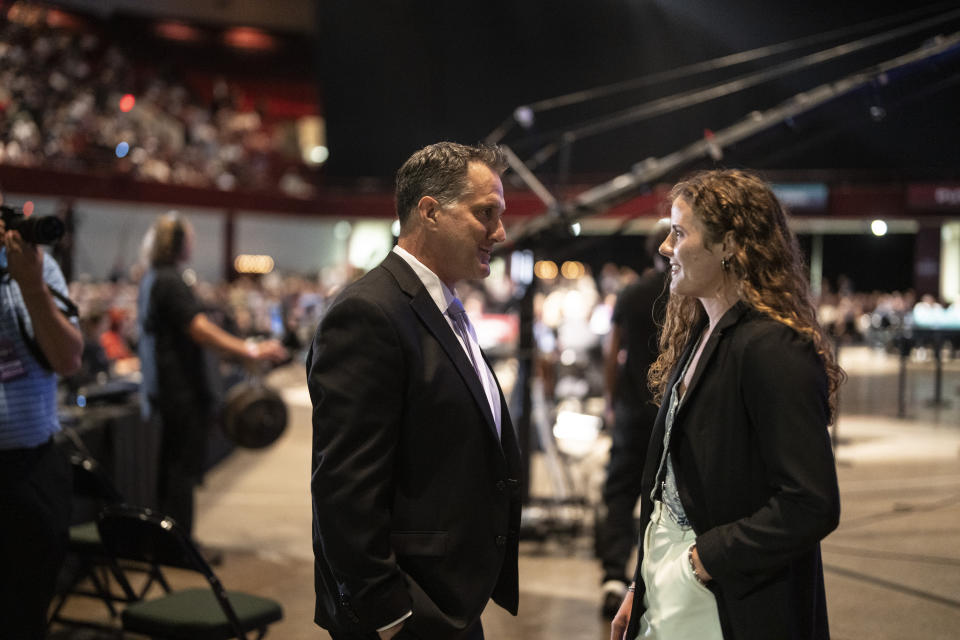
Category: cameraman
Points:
column 37, row 342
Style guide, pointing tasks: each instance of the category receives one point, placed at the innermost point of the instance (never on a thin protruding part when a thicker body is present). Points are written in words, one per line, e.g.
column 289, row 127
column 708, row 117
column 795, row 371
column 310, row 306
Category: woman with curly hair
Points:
column 740, row 484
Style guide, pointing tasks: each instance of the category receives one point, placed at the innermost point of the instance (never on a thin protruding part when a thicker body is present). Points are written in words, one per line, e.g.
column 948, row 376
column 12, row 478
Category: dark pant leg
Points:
column 616, row 533
column 35, row 500
column 182, row 451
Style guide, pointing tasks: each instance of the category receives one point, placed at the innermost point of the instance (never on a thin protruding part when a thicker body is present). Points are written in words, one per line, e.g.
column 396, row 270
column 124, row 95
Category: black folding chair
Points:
column 141, row 535
column 88, row 570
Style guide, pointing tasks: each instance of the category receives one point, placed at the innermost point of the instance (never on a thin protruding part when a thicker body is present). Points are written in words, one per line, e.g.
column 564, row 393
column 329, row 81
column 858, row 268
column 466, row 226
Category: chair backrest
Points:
column 90, row 480
column 136, row 533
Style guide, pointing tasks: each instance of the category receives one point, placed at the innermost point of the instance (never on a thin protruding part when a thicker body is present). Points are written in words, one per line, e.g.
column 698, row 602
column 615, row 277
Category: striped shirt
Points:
column 28, row 402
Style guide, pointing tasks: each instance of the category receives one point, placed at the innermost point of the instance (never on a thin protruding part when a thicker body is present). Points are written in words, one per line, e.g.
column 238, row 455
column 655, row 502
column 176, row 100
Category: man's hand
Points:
column 206, row 333
column 60, row 341
column 24, row 261
column 270, row 350
column 389, row 632
column 618, row 628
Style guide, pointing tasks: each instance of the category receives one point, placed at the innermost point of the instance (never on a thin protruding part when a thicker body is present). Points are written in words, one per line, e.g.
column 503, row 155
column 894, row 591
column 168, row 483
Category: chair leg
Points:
column 102, row 586
column 99, row 589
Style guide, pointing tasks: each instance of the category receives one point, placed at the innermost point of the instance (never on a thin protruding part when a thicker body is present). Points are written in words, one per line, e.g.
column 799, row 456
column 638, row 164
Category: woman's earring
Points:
column 724, row 264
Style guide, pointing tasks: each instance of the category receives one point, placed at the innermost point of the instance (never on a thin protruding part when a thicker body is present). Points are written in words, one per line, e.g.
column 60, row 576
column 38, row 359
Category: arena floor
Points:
column 892, row 567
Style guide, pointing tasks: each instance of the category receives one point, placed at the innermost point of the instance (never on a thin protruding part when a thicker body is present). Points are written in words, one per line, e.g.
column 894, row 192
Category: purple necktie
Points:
column 461, row 324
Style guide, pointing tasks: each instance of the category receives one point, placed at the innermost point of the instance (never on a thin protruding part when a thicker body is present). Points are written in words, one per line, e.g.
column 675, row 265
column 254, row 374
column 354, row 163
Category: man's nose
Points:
column 500, row 234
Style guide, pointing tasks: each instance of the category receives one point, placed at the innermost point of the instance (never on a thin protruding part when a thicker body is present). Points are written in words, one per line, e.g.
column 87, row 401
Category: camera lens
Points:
column 41, row 230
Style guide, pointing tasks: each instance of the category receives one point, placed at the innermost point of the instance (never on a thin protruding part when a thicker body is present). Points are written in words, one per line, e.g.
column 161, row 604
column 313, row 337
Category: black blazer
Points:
column 756, row 476
column 415, row 500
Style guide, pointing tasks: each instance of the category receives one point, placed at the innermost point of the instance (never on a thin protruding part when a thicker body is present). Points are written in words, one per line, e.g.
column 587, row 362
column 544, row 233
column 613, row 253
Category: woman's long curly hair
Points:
column 766, row 263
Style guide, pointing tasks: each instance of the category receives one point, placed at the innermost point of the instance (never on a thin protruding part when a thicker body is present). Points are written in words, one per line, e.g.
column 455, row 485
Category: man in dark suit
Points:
column 416, row 505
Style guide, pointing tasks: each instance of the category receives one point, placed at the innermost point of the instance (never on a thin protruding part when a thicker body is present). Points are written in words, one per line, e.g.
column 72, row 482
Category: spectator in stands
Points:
column 112, row 340
column 59, row 108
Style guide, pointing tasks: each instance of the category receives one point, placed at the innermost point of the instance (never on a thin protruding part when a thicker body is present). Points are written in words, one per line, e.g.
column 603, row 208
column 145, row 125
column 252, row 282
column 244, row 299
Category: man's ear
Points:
column 427, row 210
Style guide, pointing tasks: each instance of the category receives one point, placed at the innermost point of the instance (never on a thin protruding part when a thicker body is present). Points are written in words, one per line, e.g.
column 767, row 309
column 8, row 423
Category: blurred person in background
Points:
column 94, row 364
column 176, row 393
column 740, row 472
column 416, row 503
column 112, row 339
column 632, row 348
column 38, row 342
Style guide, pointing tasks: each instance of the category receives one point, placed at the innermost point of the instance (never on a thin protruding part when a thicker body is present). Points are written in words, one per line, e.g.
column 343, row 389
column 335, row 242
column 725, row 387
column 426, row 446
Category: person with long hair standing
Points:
column 740, row 483
column 176, row 395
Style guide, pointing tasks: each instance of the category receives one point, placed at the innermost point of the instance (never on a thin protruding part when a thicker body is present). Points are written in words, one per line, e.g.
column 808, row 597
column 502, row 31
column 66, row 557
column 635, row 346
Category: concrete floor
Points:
column 892, row 567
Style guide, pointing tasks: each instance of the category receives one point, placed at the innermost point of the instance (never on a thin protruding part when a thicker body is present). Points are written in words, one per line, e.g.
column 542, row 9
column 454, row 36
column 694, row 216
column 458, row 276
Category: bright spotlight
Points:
column 524, row 116
column 878, row 227
column 545, row 269
column 572, row 269
column 319, row 154
column 258, row 264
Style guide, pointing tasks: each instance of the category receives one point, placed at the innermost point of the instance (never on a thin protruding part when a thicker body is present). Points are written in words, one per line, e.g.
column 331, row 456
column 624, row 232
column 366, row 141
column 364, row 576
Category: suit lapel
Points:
column 426, row 309
column 729, row 318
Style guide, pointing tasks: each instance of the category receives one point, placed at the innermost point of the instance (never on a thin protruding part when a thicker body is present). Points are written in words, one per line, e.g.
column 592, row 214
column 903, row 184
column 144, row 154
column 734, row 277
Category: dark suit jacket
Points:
column 415, row 499
column 756, row 476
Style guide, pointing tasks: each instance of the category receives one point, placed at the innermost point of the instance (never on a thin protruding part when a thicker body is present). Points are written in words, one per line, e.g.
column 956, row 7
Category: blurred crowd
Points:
column 571, row 317
column 287, row 308
column 62, row 107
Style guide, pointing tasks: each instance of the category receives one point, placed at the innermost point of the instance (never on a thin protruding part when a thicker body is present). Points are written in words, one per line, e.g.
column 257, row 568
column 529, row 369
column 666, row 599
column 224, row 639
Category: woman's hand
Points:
column 618, row 628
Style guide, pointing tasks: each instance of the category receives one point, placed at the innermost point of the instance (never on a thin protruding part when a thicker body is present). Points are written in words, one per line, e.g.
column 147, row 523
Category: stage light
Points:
column 319, row 154
column 249, row 39
column 122, row 149
column 576, row 432
column 178, row 31
column 571, row 270
column 878, row 227
column 521, row 267
column 524, row 116
column 545, row 270
column 253, row 264
column 127, row 102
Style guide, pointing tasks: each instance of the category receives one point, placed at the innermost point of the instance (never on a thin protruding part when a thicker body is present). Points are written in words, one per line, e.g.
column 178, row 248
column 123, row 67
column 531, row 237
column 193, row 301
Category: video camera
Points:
column 35, row 229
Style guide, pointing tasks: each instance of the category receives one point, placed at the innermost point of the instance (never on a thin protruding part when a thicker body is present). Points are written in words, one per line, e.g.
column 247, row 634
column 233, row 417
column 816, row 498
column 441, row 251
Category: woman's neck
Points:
column 718, row 305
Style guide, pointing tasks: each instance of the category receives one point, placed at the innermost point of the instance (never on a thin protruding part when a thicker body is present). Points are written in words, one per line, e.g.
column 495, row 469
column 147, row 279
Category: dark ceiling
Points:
column 400, row 74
